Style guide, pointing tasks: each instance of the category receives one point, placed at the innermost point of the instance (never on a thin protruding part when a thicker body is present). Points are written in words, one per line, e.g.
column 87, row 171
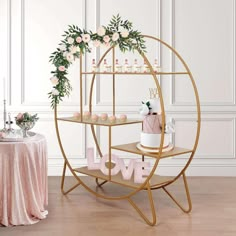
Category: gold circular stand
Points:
column 176, row 151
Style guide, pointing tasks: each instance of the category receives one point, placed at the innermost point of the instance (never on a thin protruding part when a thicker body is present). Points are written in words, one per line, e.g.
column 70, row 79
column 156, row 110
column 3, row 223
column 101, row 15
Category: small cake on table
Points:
column 94, row 118
column 104, row 116
column 87, row 115
column 76, row 115
column 123, row 118
column 112, row 119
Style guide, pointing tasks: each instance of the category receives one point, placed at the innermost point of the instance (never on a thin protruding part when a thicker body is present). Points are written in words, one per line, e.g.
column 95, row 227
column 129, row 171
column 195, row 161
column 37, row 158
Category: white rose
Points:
column 54, row 80
column 101, row 31
column 55, row 92
column 124, row 33
column 62, row 47
column 86, row 38
column 115, row 36
column 73, row 49
column 70, row 40
column 69, row 57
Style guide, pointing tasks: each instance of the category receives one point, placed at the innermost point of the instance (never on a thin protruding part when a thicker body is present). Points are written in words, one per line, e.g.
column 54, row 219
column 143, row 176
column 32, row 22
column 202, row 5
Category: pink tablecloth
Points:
column 23, row 181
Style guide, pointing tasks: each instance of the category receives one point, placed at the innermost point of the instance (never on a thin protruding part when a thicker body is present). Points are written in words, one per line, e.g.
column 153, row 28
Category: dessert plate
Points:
column 167, row 149
column 18, row 138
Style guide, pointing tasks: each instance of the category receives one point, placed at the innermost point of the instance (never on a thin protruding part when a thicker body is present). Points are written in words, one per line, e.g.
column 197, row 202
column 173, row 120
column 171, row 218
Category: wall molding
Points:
column 173, row 101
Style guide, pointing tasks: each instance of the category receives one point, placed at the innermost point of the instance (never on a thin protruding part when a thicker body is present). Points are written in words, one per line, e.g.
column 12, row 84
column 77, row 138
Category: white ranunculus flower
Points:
column 54, row 80
column 70, row 40
column 124, row 33
column 73, row 49
column 101, row 31
column 115, row 36
column 62, row 47
column 69, row 57
column 55, row 92
column 86, row 38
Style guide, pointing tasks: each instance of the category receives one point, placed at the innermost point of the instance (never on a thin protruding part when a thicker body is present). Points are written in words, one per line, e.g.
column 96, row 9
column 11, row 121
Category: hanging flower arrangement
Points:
column 76, row 41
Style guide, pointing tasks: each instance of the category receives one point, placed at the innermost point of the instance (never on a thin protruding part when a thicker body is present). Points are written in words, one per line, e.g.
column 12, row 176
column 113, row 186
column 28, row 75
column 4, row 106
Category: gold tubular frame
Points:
column 146, row 185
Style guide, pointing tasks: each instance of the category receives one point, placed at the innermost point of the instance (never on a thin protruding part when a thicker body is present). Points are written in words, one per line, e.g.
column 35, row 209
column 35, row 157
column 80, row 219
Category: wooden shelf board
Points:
column 99, row 122
column 156, row 180
column 131, row 147
column 135, row 73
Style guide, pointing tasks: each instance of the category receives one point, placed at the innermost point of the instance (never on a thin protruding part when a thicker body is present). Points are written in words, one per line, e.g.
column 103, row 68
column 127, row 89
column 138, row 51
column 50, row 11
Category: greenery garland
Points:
column 76, row 41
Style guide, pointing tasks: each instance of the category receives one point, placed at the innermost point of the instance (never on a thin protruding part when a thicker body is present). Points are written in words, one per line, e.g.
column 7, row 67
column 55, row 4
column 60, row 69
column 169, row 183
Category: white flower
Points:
column 86, row 38
column 78, row 49
column 55, row 92
column 101, row 31
column 62, row 47
column 73, row 49
column 70, row 40
column 124, row 33
column 144, row 110
column 96, row 43
column 69, row 57
column 54, row 80
column 115, row 36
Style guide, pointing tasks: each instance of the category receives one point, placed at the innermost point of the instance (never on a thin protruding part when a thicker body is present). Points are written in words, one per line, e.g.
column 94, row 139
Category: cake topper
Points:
column 153, row 93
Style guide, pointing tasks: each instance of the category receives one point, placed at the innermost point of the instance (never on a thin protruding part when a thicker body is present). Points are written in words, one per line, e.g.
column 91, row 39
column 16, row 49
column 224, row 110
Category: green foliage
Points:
column 133, row 41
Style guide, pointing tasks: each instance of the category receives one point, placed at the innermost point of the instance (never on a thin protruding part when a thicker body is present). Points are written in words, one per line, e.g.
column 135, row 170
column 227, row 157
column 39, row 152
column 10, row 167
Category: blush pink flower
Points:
column 96, row 43
column 124, row 33
column 101, row 31
column 115, row 36
column 61, row 68
column 86, row 38
column 78, row 39
column 54, row 80
column 19, row 117
column 106, row 38
column 70, row 40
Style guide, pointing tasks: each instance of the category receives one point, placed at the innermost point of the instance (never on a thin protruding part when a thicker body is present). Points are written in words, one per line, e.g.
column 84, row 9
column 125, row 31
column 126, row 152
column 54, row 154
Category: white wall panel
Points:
column 203, row 33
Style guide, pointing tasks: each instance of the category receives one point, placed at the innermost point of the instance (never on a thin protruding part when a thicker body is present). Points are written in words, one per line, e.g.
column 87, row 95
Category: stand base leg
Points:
column 63, row 181
column 100, row 184
column 151, row 222
column 186, row 210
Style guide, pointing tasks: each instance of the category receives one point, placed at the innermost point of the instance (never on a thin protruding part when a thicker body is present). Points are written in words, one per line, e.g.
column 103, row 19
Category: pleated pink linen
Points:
column 23, row 181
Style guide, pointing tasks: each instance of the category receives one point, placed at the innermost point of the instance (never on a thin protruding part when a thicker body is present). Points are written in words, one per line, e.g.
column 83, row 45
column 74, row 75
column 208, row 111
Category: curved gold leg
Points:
column 139, row 211
column 100, row 184
column 63, row 181
column 187, row 194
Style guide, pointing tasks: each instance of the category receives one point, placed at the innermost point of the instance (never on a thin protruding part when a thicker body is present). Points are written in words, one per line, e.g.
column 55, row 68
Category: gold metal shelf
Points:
column 156, row 180
column 100, row 122
column 134, row 73
column 131, row 147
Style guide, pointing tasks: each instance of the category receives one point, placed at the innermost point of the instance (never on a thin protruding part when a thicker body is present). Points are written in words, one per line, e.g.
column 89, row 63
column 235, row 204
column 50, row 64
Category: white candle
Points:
column 4, row 88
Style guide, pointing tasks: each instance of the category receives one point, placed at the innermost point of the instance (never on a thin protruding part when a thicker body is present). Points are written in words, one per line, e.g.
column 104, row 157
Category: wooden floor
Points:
column 80, row 213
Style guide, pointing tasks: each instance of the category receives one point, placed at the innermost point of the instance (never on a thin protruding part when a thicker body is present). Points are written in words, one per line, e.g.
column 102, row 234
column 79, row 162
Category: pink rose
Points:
column 96, row 43
column 19, row 117
column 78, row 39
column 106, row 38
column 61, row 68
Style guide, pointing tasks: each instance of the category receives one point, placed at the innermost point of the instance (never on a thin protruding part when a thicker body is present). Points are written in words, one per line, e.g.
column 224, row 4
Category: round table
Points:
column 23, row 181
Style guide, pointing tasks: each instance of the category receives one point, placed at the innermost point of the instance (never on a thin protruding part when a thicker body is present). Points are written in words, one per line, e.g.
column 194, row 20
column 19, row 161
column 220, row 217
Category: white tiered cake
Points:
column 152, row 126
